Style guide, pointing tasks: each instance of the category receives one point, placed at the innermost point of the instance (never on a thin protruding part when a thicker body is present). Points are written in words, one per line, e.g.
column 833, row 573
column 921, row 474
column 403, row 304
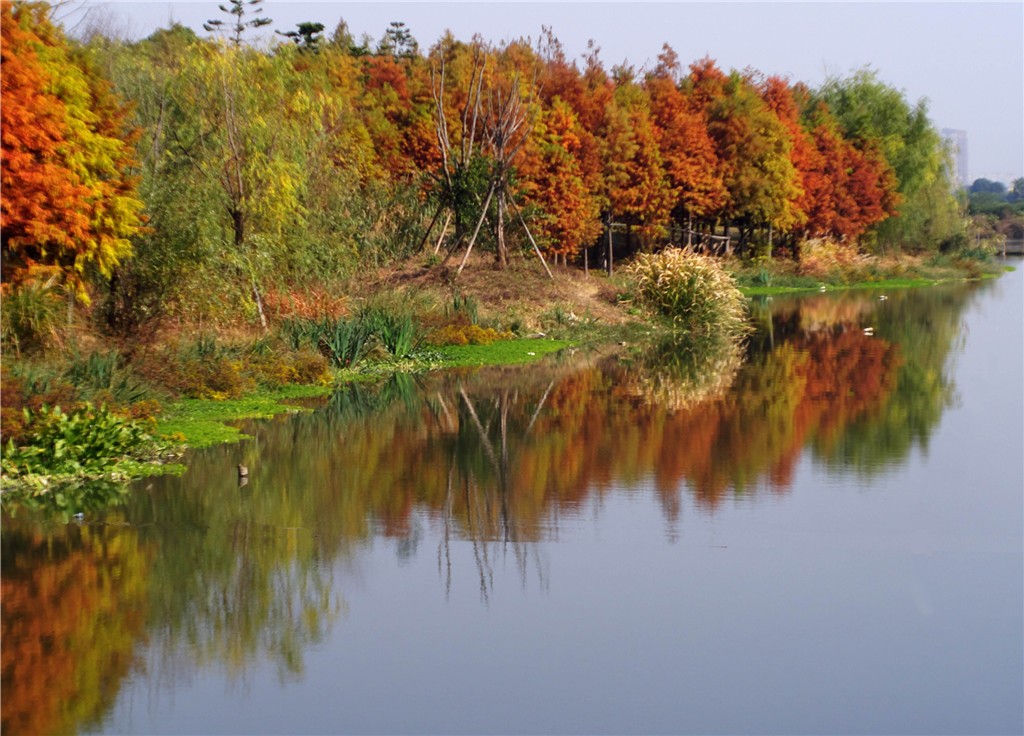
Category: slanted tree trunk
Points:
column 501, row 250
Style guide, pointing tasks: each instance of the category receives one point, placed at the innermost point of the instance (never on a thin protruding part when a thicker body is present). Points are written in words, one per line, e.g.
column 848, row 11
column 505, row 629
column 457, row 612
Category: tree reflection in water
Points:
column 195, row 571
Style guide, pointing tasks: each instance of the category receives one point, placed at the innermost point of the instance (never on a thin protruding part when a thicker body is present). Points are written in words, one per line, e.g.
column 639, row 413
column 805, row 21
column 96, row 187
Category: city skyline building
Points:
column 957, row 140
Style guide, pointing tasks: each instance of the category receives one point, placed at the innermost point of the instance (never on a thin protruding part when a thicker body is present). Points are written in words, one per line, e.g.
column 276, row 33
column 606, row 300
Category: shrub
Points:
column 343, row 341
column 691, row 290
column 214, row 378
column 85, row 441
column 311, row 367
column 396, row 332
column 25, row 386
column 277, row 369
column 466, row 306
column 828, row 259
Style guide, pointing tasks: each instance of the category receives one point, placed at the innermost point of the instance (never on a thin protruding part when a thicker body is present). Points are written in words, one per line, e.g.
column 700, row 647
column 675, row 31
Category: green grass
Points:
column 204, row 422
column 201, row 422
column 502, row 352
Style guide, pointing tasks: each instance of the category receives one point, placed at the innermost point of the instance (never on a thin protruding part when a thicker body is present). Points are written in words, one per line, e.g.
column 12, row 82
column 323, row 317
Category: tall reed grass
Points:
column 691, row 290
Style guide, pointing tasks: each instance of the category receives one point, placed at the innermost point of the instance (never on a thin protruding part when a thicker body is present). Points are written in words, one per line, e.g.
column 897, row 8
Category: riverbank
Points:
column 525, row 300
column 189, row 388
column 198, row 423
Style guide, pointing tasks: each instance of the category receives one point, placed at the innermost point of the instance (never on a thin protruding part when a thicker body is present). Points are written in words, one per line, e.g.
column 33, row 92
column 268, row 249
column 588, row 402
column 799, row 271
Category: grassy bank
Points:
column 188, row 387
column 846, row 271
column 200, row 423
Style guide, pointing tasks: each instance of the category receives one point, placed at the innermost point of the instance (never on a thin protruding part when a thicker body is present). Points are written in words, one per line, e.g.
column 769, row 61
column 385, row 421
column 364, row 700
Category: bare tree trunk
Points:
column 259, row 304
column 238, row 227
column 426, row 233
column 530, row 236
column 502, row 248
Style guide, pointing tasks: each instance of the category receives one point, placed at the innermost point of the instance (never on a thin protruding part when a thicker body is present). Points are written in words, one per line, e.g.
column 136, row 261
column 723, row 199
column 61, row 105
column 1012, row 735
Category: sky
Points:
column 966, row 59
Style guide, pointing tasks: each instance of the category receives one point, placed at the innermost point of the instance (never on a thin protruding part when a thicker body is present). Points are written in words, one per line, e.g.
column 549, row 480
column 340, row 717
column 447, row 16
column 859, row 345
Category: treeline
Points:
column 207, row 176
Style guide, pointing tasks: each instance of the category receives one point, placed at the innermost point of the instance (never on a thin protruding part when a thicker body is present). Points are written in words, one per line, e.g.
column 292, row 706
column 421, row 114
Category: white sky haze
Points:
column 967, row 59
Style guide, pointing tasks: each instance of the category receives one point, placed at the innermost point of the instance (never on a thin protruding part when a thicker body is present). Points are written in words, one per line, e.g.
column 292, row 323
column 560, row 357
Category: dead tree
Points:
column 459, row 163
column 496, row 123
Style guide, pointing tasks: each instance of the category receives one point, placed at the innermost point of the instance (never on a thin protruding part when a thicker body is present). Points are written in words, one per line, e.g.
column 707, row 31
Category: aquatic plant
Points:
column 78, row 458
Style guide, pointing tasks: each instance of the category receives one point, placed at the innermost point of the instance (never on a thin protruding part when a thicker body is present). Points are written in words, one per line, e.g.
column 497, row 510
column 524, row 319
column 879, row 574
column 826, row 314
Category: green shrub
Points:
column 691, row 290
column 85, row 441
column 343, row 341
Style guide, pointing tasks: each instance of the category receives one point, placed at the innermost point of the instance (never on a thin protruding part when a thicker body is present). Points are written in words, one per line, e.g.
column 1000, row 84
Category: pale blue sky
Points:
column 966, row 58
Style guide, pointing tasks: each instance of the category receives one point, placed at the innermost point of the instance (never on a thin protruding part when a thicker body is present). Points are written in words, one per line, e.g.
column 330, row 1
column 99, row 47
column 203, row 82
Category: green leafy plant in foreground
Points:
column 68, row 450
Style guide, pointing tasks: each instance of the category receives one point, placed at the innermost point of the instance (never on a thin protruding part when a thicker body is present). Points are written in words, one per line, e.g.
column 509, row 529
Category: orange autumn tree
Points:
column 815, row 186
column 69, row 203
column 553, row 181
column 858, row 185
column 636, row 186
column 691, row 164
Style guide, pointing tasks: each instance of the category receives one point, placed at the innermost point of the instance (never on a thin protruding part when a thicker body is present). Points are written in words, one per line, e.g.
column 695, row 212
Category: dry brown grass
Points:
column 523, row 289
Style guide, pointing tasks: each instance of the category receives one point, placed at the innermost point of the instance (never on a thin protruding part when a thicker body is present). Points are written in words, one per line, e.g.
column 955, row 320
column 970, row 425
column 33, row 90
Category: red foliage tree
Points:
column 687, row 151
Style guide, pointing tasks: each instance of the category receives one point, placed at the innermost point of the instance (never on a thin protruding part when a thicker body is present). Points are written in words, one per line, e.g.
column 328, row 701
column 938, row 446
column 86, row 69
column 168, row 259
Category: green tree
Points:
column 239, row 25
column 1017, row 190
column 398, row 42
column 308, row 36
column 174, row 253
column 871, row 112
column 987, row 186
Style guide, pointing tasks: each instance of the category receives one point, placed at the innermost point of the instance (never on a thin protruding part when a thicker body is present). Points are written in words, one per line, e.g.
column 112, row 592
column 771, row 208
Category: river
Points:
column 821, row 531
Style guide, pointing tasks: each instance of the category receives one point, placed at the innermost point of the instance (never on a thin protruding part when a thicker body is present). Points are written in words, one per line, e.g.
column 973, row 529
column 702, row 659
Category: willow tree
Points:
column 248, row 142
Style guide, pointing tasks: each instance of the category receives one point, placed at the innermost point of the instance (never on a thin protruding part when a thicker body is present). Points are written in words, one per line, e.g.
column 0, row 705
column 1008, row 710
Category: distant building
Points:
column 957, row 140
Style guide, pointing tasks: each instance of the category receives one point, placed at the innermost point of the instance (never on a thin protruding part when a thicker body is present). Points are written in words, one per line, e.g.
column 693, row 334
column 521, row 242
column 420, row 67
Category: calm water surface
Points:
column 821, row 533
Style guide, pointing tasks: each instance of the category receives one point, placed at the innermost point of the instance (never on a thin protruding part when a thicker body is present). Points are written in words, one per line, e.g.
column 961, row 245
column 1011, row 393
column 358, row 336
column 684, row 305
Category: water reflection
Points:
column 197, row 571
column 74, row 612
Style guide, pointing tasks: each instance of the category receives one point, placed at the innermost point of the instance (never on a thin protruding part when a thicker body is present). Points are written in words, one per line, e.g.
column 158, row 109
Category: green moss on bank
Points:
column 882, row 284
column 504, row 352
column 201, row 422
column 204, row 422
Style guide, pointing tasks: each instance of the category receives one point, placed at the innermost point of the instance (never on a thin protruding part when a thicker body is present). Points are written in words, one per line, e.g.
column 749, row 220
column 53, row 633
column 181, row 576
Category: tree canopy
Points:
column 255, row 166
